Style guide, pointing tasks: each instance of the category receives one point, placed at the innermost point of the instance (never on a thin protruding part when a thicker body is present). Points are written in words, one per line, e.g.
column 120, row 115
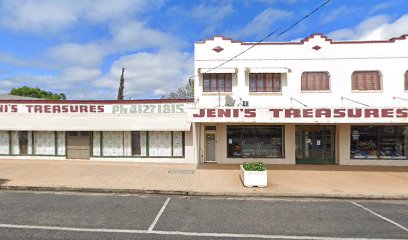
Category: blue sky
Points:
column 79, row 46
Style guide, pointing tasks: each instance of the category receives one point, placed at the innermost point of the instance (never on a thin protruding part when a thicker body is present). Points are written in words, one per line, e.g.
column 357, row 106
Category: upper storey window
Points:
column 265, row 82
column 366, row 80
column 217, row 82
column 406, row 80
column 315, row 81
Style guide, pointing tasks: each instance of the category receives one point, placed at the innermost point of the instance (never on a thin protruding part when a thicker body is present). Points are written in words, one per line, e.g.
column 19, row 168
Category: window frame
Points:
column 366, row 83
column 209, row 77
column 183, row 145
column 378, row 137
column 304, row 81
column 282, row 143
column 264, row 82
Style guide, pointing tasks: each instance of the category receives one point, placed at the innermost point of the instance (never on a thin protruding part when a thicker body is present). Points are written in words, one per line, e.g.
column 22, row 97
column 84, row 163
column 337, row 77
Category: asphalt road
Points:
column 36, row 215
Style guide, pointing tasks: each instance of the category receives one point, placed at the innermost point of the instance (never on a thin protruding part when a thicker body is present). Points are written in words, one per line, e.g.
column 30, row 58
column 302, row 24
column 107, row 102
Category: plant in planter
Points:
column 254, row 174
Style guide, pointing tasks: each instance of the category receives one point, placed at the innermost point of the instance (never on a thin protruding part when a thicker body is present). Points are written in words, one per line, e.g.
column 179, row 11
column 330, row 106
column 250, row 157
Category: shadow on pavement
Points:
column 309, row 167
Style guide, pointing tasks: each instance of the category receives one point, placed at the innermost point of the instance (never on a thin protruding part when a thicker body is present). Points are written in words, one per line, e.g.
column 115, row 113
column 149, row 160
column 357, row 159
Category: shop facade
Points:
column 135, row 130
column 316, row 101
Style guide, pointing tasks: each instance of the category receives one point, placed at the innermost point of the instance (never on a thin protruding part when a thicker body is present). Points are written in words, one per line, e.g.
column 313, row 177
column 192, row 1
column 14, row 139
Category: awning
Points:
column 217, row 70
column 24, row 122
column 268, row 70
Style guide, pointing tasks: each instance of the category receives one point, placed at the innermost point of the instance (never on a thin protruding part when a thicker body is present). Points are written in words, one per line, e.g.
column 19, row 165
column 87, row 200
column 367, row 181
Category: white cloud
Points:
column 51, row 16
column 208, row 13
column 262, row 23
column 374, row 28
column 383, row 6
column 79, row 74
column 76, row 54
column 211, row 13
column 149, row 73
column 133, row 35
column 339, row 13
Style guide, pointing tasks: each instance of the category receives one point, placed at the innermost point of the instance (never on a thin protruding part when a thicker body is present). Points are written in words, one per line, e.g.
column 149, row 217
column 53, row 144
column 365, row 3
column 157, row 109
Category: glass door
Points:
column 315, row 144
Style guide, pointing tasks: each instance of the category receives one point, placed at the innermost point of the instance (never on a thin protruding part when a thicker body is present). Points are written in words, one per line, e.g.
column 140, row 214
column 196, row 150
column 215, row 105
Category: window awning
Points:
column 217, row 70
column 94, row 123
column 268, row 70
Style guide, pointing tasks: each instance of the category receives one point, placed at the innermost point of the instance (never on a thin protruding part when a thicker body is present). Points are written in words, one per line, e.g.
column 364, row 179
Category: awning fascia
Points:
column 217, row 70
column 268, row 70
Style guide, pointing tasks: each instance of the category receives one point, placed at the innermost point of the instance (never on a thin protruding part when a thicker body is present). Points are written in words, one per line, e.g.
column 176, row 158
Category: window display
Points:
column 379, row 142
column 255, row 141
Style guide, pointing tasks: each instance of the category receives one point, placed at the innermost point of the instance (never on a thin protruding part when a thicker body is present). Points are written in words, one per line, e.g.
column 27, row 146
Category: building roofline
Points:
column 331, row 41
column 140, row 101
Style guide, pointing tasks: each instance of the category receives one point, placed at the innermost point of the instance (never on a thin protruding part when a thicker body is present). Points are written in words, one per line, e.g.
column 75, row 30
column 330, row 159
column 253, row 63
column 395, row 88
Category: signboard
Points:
column 162, row 108
column 295, row 115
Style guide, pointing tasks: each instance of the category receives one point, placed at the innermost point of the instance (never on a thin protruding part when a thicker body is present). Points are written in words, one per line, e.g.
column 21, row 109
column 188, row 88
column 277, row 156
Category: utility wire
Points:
column 267, row 36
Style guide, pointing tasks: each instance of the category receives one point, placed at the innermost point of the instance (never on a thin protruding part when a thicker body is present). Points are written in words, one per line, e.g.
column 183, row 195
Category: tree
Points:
column 185, row 92
column 121, row 85
column 26, row 91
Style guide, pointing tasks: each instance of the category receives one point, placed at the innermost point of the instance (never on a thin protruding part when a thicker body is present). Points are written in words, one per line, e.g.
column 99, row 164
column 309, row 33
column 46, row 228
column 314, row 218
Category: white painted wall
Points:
column 339, row 59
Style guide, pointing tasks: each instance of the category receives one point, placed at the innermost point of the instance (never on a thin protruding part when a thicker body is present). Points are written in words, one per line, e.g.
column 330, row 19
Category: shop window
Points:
column 366, row 80
column 178, row 144
column 139, row 144
column 379, row 142
column 160, row 144
column 112, row 143
column 44, row 143
column 315, row 81
column 217, row 82
column 406, row 80
column 135, row 139
column 4, row 142
column 255, row 141
column 265, row 82
column 61, row 151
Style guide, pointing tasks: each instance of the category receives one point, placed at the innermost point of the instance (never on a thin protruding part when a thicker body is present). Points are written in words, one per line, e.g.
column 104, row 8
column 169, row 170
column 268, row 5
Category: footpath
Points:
column 204, row 179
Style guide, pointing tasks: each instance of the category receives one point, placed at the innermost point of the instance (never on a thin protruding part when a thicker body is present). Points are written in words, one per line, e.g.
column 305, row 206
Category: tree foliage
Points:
column 37, row 93
column 185, row 92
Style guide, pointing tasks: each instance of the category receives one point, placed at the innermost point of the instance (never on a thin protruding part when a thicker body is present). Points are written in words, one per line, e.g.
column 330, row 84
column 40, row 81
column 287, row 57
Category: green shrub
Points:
column 254, row 166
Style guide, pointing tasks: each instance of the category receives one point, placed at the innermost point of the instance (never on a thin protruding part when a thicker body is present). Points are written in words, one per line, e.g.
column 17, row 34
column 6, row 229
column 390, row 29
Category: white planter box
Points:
column 254, row 178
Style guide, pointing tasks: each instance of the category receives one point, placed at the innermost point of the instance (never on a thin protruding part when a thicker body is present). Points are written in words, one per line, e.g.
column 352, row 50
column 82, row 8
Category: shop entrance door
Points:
column 315, row 144
column 79, row 145
column 210, row 147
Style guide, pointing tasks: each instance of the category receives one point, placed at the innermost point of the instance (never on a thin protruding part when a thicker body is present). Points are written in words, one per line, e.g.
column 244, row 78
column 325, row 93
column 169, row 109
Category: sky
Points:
column 78, row 47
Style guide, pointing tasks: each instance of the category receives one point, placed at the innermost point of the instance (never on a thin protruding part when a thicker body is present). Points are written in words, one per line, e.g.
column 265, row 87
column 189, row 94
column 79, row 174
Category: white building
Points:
column 134, row 130
column 315, row 101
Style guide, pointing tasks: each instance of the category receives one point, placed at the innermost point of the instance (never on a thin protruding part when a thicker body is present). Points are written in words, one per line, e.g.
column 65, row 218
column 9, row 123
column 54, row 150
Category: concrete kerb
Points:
column 206, row 193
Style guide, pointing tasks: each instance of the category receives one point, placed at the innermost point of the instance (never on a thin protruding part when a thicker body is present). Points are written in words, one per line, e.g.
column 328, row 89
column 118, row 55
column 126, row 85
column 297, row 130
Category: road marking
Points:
column 159, row 214
column 380, row 216
column 196, row 234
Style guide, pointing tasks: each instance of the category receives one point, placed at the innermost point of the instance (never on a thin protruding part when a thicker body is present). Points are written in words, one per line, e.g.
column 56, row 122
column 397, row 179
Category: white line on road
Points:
column 159, row 214
column 221, row 235
column 380, row 216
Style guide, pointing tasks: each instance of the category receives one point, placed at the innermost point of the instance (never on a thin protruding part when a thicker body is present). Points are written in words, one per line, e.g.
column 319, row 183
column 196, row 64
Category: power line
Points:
column 267, row 36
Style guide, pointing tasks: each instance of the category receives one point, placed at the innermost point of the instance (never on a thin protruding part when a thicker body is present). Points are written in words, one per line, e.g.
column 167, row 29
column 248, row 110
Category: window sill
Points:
column 266, row 93
column 366, row 91
column 216, row 93
column 379, row 159
column 315, row 91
